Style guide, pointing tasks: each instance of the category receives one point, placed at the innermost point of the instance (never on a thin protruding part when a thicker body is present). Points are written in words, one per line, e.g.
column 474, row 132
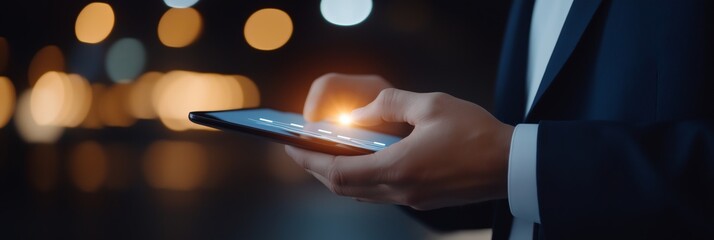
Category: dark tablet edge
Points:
column 202, row 118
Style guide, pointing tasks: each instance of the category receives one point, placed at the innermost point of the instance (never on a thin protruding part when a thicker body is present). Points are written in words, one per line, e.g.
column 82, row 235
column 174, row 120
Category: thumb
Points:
column 392, row 105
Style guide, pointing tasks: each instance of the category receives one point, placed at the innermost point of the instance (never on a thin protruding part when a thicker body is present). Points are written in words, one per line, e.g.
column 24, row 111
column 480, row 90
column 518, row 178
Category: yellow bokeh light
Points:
column 179, row 92
column 140, row 96
column 94, row 23
column 179, row 27
column 4, row 53
column 176, row 165
column 268, row 29
column 114, row 107
column 29, row 130
column 47, row 59
column 88, row 166
column 7, row 100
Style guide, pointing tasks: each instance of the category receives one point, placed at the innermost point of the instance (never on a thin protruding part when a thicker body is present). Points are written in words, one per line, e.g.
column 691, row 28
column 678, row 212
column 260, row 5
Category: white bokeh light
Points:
column 180, row 3
column 345, row 12
column 125, row 60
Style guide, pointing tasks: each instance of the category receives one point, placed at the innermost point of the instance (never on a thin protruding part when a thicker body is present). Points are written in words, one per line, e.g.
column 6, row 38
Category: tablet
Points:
column 292, row 129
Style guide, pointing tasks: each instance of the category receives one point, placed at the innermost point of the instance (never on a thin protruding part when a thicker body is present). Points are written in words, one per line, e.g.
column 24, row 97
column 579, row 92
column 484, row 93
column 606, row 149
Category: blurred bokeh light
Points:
column 92, row 120
column 176, row 165
column 29, row 130
column 125, row 60
column 268, row 29
column 114, row 106
column 179, row 27
column 140, row 105
column 49, row 58
column 7, row 100
column 179, row 92
column 345, row 12
column 180, row 3
column 50, row 97
column 94, row 23
column 88, row 166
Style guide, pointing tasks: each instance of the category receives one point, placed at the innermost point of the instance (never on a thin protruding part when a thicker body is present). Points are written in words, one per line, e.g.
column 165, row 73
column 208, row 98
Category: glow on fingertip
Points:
column 345, row 119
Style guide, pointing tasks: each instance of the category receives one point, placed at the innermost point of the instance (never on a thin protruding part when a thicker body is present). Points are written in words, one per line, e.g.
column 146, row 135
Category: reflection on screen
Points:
column 294, row 124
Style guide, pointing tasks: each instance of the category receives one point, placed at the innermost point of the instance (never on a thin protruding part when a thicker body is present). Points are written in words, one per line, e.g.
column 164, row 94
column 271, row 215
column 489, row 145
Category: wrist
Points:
column 504, row 150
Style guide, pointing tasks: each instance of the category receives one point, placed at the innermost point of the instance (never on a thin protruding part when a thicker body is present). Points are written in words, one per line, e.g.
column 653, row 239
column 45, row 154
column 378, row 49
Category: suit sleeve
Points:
column 636, row 181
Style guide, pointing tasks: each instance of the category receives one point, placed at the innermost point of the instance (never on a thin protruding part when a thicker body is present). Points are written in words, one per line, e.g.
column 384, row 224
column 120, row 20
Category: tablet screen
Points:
column 291, row 124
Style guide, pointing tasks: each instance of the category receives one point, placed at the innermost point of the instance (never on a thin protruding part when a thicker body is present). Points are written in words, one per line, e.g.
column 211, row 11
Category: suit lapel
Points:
column 579, row 16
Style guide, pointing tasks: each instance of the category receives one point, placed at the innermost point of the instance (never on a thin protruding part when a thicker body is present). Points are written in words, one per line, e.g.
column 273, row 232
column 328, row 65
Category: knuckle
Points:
column 386, row 97
column 434, row 103
column 337, row 181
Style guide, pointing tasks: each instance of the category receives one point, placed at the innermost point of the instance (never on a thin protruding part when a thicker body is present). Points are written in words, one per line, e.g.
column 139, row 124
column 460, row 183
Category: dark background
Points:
column 252, row 191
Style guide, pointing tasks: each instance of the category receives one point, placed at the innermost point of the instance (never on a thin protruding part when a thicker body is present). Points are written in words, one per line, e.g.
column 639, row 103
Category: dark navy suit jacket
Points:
column 626, row 114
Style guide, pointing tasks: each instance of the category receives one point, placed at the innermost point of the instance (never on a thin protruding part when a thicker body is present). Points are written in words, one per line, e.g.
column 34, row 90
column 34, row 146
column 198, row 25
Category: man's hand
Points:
column 457, row 154
column 333, row 94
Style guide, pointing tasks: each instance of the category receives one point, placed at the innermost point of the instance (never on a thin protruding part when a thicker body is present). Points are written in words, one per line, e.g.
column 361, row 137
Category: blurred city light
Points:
column 140, row 105
column 49, row 58
column 249, row 92
column 125, row 60
column 4, row 54
column 92, row 120
column 7, row 100
column 180, row 3
column 43, row 167
column 176, row 165
column 61, row 100
column 94, row 22
column 179, row 92
column 345, row 12
column 79, row 102
column 28, row 129
column 179, row 27
column 88, row 166
column 49, row 98
column 268, row 29
column 114, row 106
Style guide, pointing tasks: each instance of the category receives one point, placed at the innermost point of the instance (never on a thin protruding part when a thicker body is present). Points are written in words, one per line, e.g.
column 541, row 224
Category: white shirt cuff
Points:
column 522, row 185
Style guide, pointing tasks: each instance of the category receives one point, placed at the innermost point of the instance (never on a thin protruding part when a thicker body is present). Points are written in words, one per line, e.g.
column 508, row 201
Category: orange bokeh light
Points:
column 49, row 58
column 7, row 100
column 179, row 92
column 88, row 166
column 176, row 165
column 140, row 96
column 179, row 27
column 94, row 23
column 114, row 107
column 268, row 29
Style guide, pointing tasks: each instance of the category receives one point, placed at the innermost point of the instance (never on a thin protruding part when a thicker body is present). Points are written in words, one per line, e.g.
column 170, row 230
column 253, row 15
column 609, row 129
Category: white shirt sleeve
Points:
column 522, row 185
